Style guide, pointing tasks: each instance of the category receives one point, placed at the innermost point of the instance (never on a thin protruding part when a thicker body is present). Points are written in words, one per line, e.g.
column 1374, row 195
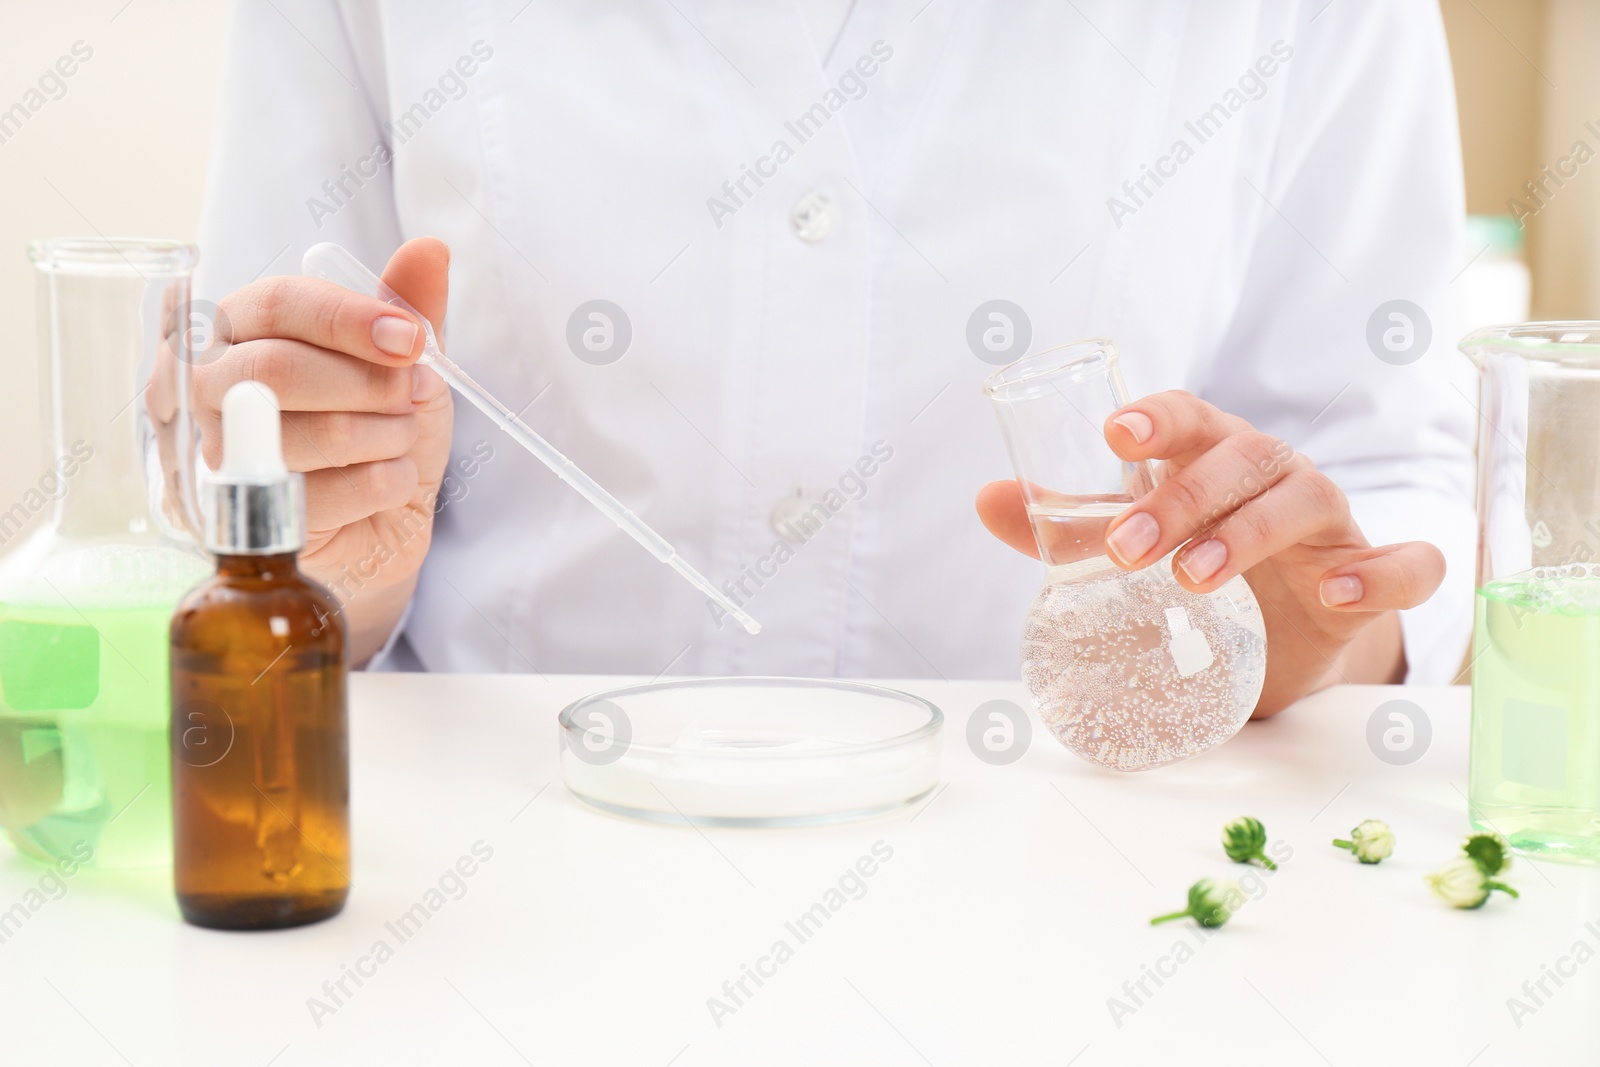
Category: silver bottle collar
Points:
column 254, row 518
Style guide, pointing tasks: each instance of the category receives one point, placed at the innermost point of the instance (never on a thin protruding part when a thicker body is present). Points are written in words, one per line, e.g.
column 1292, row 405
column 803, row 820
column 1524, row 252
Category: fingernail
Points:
column 1203, row 560
column 394, row 335
column 1337, row 592
column 420, row 386
column 1136, row 423
column 1136, row 536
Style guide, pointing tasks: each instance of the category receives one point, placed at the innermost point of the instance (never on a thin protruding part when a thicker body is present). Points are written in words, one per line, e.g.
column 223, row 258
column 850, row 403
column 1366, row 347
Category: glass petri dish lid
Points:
column 750, row 751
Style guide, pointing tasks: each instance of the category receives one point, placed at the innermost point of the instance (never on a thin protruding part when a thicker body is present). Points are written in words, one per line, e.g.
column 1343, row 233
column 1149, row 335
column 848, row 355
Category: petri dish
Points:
column 750, row 751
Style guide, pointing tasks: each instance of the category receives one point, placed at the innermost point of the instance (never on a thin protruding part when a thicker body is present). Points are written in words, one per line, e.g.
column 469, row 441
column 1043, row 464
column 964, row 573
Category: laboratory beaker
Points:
column 1127, row 668
column 97, row 552
column 1535, row 748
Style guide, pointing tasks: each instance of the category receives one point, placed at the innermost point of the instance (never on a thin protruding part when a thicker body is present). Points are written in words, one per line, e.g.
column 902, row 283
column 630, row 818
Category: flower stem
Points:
column 1268, row 864
column 1184, row 914
column 1341, row 843
column 1503, row 888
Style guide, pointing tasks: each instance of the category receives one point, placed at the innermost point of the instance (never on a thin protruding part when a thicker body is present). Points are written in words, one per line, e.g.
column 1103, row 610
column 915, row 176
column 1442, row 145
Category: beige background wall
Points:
column 125, row 148
column 1526, row 83
column 1499, row 94
column 1566, row 271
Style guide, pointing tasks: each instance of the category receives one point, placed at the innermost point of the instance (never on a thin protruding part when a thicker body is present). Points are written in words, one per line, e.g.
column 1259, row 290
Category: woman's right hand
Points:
column 370, row 431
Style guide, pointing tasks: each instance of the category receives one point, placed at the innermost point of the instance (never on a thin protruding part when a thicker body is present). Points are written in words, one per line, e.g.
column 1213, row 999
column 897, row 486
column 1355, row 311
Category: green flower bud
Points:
column 1211, row 903
column 1245, row 839
column 1462, row 883
column 1489, row 851
column 1371, row 841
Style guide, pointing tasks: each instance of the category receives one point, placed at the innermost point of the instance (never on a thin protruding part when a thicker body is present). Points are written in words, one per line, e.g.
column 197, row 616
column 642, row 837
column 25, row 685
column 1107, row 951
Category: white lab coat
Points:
column 781, row 345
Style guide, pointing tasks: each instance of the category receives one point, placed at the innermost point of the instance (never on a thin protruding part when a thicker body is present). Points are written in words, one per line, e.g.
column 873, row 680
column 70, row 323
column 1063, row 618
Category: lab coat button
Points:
column 791, row 517
column 812, row 217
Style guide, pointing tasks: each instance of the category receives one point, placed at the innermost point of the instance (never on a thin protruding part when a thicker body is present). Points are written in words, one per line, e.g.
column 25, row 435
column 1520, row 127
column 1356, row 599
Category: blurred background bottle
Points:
column 1496, row 284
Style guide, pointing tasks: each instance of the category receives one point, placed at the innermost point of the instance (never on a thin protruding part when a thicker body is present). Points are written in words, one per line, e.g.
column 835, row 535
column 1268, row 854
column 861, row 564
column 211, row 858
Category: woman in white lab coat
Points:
column 737, row 261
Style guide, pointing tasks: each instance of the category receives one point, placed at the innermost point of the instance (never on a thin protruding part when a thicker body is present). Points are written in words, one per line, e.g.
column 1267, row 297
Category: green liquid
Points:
column 1535, row 774
column 83, row 731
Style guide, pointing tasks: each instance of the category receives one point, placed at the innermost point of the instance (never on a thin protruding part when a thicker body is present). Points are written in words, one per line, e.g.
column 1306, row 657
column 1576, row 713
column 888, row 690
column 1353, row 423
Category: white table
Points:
column 1013, row 908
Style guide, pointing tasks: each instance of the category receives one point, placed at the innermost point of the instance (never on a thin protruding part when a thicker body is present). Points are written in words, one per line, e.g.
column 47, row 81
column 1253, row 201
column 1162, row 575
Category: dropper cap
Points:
column 254, row 505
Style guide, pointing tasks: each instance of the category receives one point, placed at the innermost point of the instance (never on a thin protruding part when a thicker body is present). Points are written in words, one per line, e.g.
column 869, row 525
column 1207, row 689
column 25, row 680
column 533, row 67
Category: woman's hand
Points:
column 370, row 430
column 1239, row 501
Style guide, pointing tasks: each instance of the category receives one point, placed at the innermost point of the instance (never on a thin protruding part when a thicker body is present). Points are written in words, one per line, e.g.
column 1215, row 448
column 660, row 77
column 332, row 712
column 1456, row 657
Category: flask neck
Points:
column 1089, row 569
column 102, row 490
column 112, row 388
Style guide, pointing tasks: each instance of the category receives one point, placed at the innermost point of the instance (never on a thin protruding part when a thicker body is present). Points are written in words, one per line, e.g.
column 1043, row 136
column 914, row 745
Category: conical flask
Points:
column 96, row 555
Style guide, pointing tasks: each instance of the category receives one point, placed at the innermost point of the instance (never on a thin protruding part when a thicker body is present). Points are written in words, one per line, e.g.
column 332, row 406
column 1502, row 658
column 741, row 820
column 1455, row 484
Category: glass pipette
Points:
column 333, row 263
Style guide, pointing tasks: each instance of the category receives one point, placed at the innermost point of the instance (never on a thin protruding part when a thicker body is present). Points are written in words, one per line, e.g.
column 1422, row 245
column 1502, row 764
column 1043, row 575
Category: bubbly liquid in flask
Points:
column 1129, row 669
column 84, row 704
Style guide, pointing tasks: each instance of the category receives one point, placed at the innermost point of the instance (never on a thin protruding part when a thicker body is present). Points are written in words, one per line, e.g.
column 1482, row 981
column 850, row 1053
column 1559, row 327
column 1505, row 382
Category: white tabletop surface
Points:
column 1013, row 908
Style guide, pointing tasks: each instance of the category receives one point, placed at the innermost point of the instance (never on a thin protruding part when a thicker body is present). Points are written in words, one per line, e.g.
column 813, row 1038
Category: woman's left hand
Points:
column 1239, row 501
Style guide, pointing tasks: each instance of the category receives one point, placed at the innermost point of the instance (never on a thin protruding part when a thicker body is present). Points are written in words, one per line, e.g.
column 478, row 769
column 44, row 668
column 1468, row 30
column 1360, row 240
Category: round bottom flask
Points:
column 1127, row 668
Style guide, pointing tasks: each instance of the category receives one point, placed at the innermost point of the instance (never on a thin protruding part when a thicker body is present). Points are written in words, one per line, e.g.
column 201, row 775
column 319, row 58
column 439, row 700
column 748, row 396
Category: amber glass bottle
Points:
column 260, row 767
